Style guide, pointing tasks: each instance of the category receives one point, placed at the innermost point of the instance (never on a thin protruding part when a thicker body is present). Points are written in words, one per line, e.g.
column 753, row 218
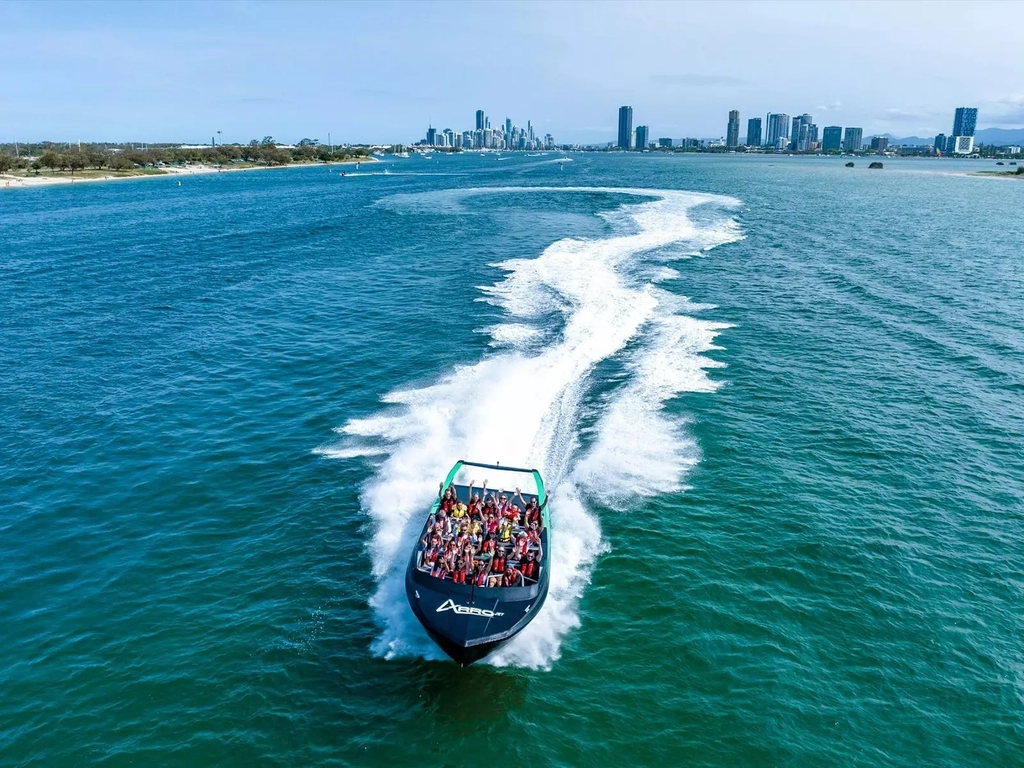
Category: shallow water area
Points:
column 778, row 402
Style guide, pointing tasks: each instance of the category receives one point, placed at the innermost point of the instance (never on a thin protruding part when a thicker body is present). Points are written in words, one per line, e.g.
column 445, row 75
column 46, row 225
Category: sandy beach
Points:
column 8, row 181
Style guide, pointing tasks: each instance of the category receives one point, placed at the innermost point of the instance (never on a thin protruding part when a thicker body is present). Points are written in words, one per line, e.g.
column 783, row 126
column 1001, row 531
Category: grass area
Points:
column 89, row 173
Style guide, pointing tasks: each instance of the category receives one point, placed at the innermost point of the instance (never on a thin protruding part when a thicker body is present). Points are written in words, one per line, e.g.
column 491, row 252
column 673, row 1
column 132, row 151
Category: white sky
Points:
column 381, row 71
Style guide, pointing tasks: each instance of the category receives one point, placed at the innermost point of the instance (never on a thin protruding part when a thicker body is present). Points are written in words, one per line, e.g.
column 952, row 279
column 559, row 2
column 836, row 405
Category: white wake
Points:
column 606, row 292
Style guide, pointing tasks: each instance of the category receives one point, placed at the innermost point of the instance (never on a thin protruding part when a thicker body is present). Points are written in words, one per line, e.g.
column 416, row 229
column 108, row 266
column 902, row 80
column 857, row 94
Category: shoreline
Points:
column 8, row 181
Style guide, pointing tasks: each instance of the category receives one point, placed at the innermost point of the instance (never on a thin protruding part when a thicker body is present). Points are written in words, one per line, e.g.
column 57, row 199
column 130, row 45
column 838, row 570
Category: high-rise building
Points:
column 665, row 143
column 964, row 145
column 625, row 127
column 832, row 138
column 801, row 133
column 641, row 137
column 880, row 143
column 754, row 132
column 432, row 136
column 853, row 138
column 940, row 142
column 778, row 128
column 964, row 121
column 732, row 133
column 479, row 119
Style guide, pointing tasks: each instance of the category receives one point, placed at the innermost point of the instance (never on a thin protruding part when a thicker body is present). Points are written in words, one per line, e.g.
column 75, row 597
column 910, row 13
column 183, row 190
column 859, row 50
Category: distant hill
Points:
column 1000, row 136
column 997, row 136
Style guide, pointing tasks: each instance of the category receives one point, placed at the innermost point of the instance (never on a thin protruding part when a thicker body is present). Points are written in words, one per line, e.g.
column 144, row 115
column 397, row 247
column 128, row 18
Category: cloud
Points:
column 909, row 115
column 696, row 81
column 835, row 106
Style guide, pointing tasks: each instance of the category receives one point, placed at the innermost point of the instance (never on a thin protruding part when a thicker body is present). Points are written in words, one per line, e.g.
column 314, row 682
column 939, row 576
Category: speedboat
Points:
column 472, row 611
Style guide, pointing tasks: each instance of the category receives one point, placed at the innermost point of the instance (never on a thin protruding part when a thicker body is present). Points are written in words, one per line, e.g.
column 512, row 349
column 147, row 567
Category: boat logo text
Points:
column 467, row 610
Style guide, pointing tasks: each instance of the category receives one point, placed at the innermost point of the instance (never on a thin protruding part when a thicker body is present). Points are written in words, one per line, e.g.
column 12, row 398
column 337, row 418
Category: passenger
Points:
column 440, row 569
column 520, row 546
column 512, row 577
column 498, row 562
column 534, row 535
column 505, row 531
column 459, row 574
column 458, row 509
column 494, row 580
column 488, row 545
column 530, row 568
column 533, row 513
column 480, row 579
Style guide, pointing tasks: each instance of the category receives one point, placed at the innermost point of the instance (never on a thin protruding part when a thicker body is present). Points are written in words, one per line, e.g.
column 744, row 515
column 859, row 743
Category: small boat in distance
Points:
column 480, row 569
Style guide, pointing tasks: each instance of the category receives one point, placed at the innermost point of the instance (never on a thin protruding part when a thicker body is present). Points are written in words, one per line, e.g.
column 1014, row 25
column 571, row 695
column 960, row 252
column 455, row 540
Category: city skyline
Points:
column 208, row 71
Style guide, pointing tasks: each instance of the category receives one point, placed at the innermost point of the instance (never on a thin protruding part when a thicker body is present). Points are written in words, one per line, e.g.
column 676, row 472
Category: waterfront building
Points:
column 732, row 133
column 1013, row 150
column 641, row 137
column 754, row 132
column 853, row 138
column 800, row 135
column 479, row 119
column 940, row 142
column 880, row 143
column 964, row 121
column 665, row 143
column 778, row 128
column 964, row 145
column 625, row 127
column 432, row 136
column 832, row 138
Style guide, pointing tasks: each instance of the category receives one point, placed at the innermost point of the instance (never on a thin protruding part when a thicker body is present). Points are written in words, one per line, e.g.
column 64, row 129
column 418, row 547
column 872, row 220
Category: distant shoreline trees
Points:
column 124, row 157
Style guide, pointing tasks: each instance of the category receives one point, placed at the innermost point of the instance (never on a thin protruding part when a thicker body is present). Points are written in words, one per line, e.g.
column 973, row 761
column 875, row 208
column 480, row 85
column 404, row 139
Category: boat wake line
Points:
column 607, row 295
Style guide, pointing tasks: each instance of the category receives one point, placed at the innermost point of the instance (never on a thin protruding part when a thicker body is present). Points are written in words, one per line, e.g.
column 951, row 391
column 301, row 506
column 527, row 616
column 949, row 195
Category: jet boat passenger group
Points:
column 490, row 542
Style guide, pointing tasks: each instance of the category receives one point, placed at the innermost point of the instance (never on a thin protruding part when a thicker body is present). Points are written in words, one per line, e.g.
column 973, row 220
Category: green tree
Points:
column 268, row 141
column 97, row 158
column 75, row 161
column 49, row 159
column 6, row 162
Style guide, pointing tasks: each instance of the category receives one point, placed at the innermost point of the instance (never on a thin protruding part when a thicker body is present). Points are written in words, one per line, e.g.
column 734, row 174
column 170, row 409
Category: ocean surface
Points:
column 780, row 403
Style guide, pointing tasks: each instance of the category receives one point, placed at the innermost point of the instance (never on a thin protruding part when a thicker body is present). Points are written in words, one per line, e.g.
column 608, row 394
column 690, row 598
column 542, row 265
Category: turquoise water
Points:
column 779, row 402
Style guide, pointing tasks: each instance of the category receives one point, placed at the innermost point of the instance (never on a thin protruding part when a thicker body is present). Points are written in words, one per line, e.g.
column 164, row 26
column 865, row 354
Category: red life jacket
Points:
column 511, row 579
column 529, row 569
column 459, row 577
column 498, row 564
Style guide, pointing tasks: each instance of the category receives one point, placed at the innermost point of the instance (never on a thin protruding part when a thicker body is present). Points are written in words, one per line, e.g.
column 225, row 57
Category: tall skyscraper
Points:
column 625, row 127
column 879, row 143
column 432, row 136
column 853, row 139
column 940, row 142
column 641, row 137
column 754, row 132
column 964, row 121
column 800, row 136
column 778, row 129
column 832, row 138
column 479, row 119
column 732, row 132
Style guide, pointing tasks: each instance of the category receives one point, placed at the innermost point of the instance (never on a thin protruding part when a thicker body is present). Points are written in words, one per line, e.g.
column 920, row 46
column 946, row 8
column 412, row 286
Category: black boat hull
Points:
column 469, row 623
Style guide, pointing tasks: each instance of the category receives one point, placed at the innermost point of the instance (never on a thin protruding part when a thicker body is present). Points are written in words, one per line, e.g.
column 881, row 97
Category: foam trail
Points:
column 598, row 288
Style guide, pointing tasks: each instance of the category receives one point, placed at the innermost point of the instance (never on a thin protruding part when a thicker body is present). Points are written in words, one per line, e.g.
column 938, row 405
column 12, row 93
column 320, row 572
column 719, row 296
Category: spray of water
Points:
column 606, row 292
